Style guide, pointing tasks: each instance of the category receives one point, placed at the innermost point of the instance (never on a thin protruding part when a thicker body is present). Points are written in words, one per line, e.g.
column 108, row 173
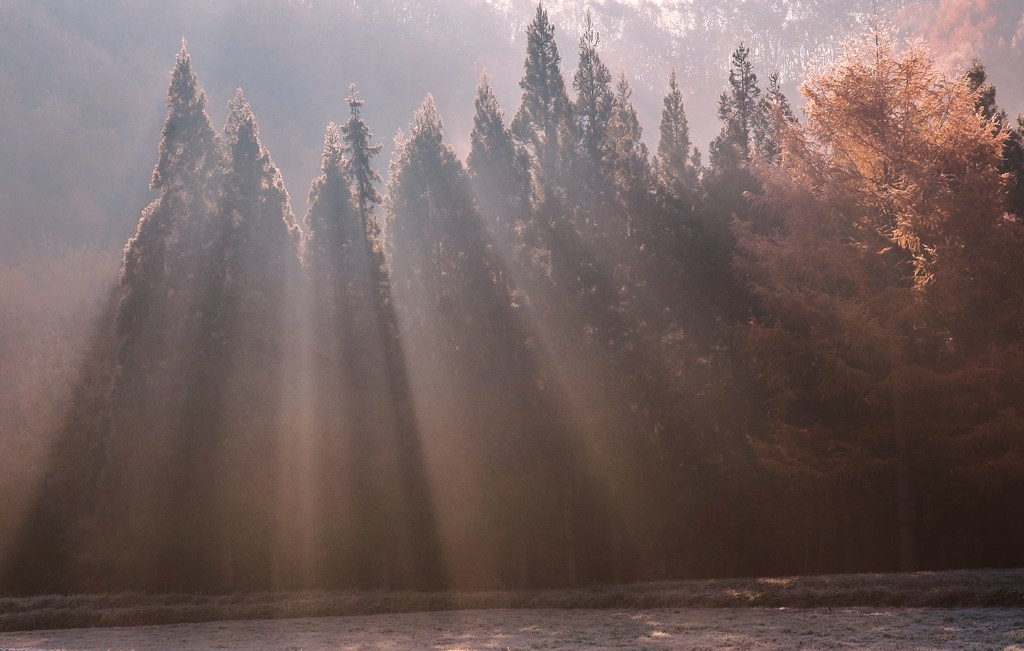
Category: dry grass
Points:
column 957, row 589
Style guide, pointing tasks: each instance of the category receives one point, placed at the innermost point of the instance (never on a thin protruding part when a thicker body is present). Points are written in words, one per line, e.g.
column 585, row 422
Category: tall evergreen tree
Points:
column 631, row 170
column 360, row 161
column 436, row 238
column 592, row 114
column 331, row 213
column 542, row 123
column 728, row 184
column 738, row 109
column 246, row 351
column 171, row 229
column 409, row 552
column 499, row 171
column 332, row 238
column 675, row 166
column 1013, row 145
column 773, row 113
column 468, row 359
column 161, row 318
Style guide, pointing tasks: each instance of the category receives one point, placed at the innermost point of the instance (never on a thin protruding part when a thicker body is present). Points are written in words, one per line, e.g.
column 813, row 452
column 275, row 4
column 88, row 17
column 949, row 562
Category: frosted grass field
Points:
column 982, row 609
column 697, row 628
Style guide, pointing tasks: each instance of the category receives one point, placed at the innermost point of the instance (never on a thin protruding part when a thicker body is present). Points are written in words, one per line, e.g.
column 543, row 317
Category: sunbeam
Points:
column 565, row 360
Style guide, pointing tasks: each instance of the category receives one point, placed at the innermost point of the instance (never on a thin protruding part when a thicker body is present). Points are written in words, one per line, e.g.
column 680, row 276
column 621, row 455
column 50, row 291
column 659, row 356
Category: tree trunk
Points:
column 905, row 502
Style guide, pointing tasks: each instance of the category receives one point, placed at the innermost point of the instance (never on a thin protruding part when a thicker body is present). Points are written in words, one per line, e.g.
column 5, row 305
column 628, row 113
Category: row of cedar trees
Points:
column 563, row 362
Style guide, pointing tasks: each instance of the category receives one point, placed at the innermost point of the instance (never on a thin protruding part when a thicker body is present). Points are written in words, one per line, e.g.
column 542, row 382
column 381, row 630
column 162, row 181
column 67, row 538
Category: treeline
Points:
column 565, row 361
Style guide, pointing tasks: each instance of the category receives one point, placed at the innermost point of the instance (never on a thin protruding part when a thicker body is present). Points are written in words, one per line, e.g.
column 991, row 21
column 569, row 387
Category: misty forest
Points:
column 578, row 350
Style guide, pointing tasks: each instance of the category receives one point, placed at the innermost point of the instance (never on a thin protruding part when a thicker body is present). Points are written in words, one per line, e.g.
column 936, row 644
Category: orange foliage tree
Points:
column 889, row 321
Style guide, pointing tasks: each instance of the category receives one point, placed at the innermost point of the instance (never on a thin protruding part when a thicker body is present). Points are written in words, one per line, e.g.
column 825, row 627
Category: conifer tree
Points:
column 331, row 241
column 542, row 123
column 728, row 185
column 360, row 162
column 443, row 288
column 260, row 232
column 161, row 320
column 773, row 111
column 435, row 235
column 738, row 109
column 468, row 351
column 1013, row 145
column 403, row 547
column 675, row 167
column 240, row 400
column 631, row 168
column 163, row 251
column 330, row 216
column 498, row 169
column 592, row 114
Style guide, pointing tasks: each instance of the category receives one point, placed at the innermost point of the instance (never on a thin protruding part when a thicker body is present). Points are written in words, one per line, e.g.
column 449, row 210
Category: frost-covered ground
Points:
column 683, row 628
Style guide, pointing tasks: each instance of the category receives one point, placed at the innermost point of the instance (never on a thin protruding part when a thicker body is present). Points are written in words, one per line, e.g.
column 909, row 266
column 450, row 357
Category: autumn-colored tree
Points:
column 869, row 263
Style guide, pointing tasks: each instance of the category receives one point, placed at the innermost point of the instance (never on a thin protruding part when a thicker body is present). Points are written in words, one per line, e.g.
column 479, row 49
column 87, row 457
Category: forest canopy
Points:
column 566, row 359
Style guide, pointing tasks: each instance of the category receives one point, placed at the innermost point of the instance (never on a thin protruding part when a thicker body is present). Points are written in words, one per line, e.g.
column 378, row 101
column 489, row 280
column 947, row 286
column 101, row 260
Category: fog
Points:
column 530, row 369
column 83, row 82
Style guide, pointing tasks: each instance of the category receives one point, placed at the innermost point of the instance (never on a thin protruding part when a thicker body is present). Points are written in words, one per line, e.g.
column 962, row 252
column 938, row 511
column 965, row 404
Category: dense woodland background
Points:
column 560, row 359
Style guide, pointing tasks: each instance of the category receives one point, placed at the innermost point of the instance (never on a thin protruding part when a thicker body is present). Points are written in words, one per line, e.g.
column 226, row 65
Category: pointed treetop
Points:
column 355, row 103
column 544, row 96
column 625, row 124
column 738, row 110
column 426, row 125
column 542, row 122
column 334, row 152
column 424, row 146
column 330, row 210
column 489, row 139
column 188, row 137
column 485, row 103
column 488, row 119
column 184, row 89
column 241, row 122
column 590, row 38
column 540, row 19
column 593, row 106
column 675, row 165
column 242, row 134
column 773, row 113
column 674, row 144
column 360, row 154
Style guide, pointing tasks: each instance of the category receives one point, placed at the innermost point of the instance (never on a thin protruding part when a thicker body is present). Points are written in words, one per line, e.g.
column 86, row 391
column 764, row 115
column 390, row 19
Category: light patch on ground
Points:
column 723, row 628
